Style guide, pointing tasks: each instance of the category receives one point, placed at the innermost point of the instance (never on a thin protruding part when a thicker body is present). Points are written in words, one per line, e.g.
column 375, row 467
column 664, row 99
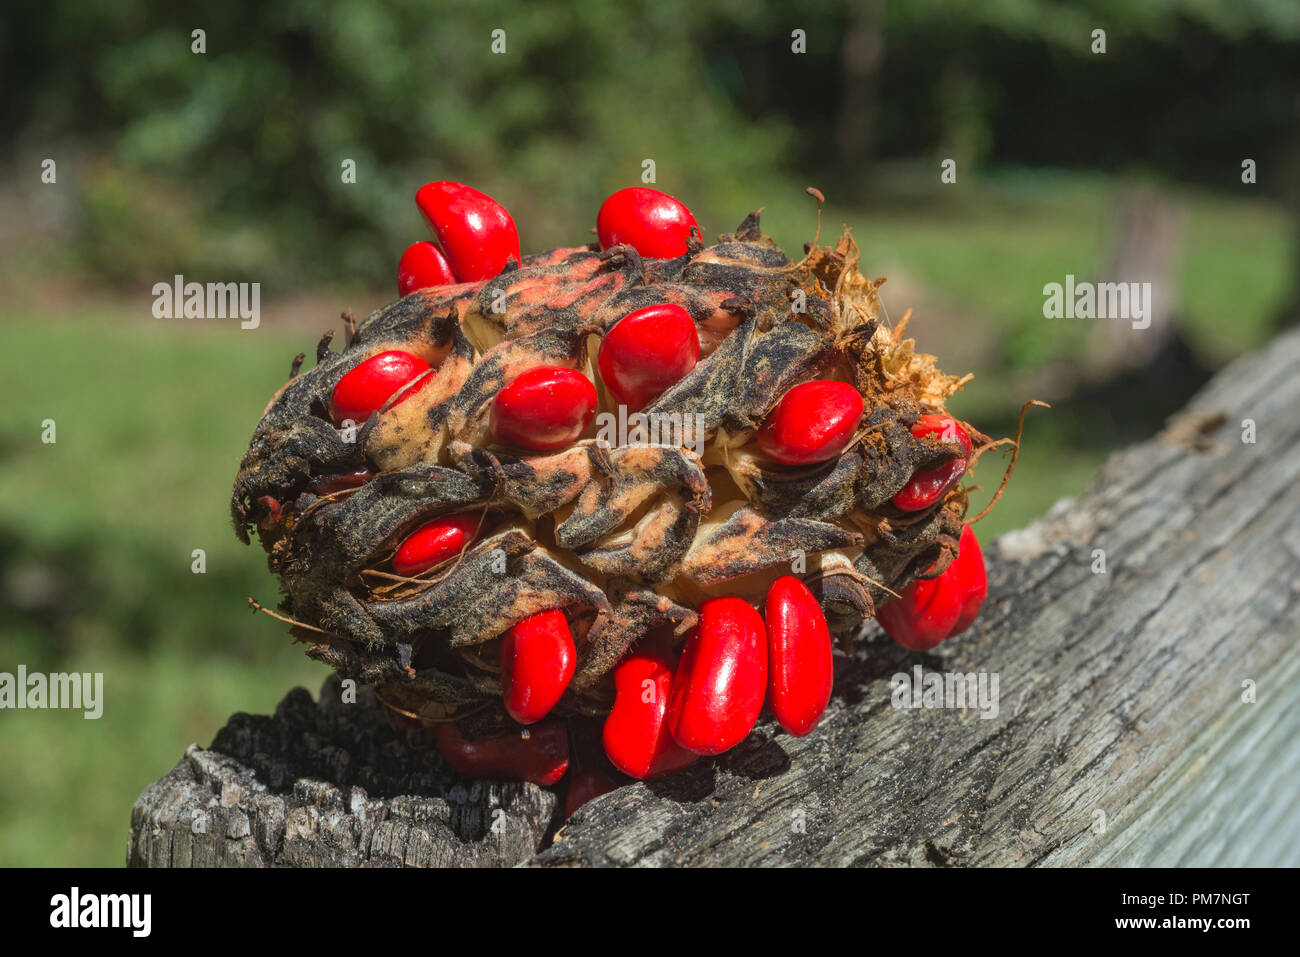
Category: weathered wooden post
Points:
column 1146, row 643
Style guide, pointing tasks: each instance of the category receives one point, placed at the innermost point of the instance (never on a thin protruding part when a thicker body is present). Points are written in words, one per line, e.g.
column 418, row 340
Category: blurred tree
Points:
column 255, row 130
column 251, row 134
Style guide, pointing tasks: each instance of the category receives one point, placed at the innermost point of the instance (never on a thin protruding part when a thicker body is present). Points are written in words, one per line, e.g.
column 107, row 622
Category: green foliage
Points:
column 229, row 162
column 253, row 133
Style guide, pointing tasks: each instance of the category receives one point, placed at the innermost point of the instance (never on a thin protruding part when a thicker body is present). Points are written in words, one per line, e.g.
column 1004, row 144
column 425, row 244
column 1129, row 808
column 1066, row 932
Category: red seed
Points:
column 273, row 512
column 719, row 686
column 543, row 409
column 929, row 611
column 922, row 615
column 653, row 223
column 636, row 736
column 800, row 667
column 537, row 661
column 970, row 579
column 646, row 352
column 927, row 486
column 434, row 543
column 421, row 266
column 812, row 423
column 475, row 231
column 369, row 385
column 328, row 484
column 585, row 786
column 539, row 754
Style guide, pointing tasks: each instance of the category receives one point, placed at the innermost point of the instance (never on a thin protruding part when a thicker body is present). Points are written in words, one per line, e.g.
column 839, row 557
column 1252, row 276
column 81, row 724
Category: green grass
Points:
column 69, row 782
column 97, row 530
column 990, row 247
column 1236, row 273
column 151, row 419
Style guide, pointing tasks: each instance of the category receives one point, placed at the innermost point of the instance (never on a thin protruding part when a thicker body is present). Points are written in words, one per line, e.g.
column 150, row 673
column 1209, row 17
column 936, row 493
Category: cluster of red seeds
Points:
column 666, row 712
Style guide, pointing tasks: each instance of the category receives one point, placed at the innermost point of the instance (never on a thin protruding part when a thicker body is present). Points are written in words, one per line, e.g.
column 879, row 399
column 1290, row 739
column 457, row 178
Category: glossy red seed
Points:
column 539, row 754
column 646, row 352
column 434, row 543
column 799, row 661
column 585, row 786
column 922, row 615
column 543, row 409
column 969, row 578
column 929, row 611
column 812, row 423
column 421, row 266
column 718, row 690
column 636, row 736
column 927, row 486
column 655, row 224
column 537, row 661
column 369, row 385
column 475, row 231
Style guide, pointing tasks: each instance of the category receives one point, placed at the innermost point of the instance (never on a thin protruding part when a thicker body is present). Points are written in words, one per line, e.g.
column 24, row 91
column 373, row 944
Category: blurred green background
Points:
column 226, row 166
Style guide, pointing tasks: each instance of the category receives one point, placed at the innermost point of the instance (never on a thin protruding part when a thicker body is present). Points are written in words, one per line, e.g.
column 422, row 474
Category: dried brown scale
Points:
column 479, row 603
column 627, row 540
column 537, row 485
column 640, row 611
